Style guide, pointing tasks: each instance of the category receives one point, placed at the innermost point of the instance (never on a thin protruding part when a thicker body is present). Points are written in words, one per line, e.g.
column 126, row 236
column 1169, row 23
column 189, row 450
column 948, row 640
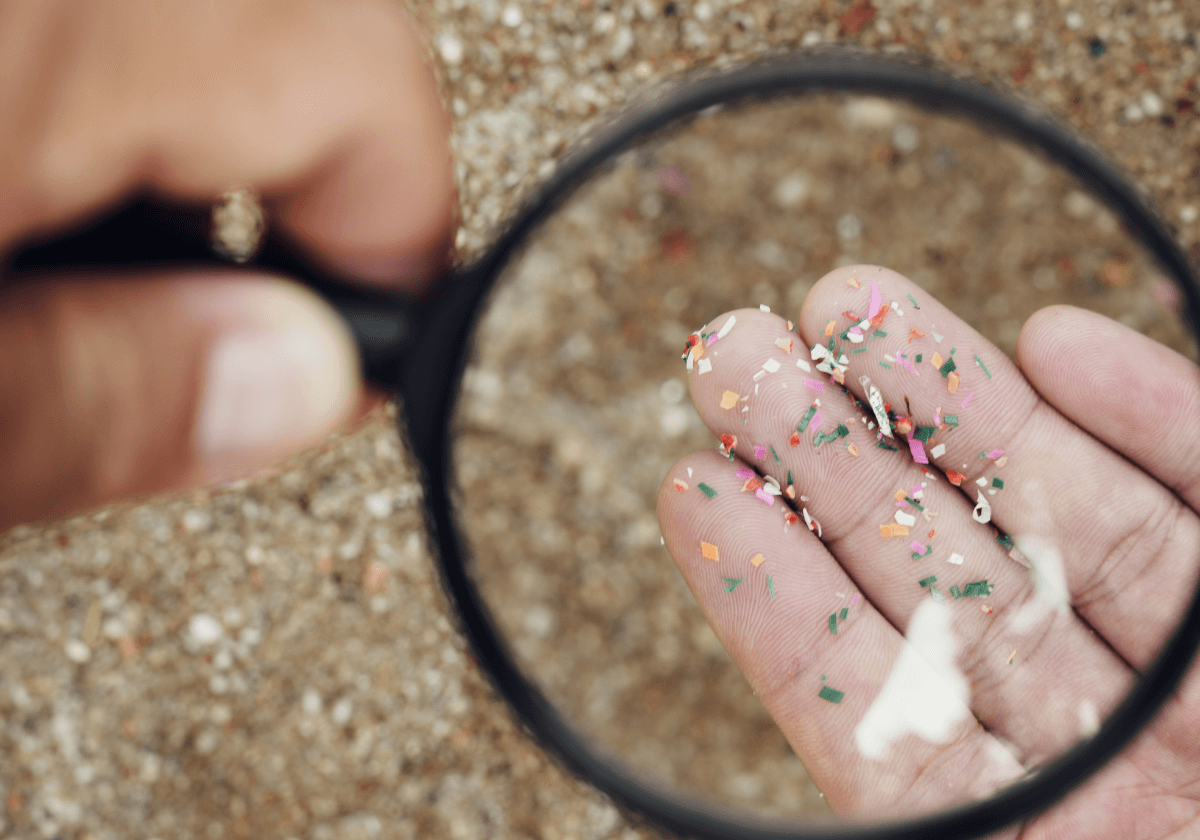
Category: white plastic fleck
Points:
column 905, row 519
column 704, row 366
column 957, row 559
column 983, row 510
column 938, row 451
column 771, row 365
column 724, row 331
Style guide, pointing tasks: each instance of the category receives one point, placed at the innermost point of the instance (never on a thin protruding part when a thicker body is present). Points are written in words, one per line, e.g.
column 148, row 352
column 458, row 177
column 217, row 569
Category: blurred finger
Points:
column 328, row 109
column 129, row 387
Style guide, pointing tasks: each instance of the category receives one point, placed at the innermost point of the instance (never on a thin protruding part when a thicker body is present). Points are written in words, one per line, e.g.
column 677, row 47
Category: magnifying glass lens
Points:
column 685, row 514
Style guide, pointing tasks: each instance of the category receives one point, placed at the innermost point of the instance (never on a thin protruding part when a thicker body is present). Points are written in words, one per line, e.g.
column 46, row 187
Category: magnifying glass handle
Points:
column 144, row 234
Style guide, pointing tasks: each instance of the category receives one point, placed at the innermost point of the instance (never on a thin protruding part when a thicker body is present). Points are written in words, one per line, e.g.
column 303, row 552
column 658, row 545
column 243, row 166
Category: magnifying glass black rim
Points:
column 441, row 360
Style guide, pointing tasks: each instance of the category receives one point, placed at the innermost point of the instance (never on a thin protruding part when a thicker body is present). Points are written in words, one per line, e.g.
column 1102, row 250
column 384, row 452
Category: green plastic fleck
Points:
column 708, row 491
column 928, row 580
column 833, row 623
column 998, row 483
column 913, row 502
column 771, row 587
column 733, row 583
column 790, row 482
column 924, row 433
column 845, row 612
column 978, row 589
column 1005, row 540
column 947, row 367
column 831, row 694
column 808, row 415
column 885, row 365
column 979, row 362
column 883, row 445
column 842, row 431
column 956, row 592
column 879, row 333
column 858, row 350
column 914, row 301
column 950, row 419
column 918, row 359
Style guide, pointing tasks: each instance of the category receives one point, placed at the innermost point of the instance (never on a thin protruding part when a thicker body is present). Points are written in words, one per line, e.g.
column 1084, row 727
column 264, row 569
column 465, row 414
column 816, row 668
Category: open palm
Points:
column 928, row 612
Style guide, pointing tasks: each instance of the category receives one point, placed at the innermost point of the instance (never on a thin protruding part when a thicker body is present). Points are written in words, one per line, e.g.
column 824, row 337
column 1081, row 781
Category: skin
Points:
column 1103, row 465
column 330, row 111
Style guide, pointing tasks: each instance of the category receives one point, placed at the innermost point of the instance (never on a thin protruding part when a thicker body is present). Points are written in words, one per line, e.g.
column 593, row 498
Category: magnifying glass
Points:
column 545, row 393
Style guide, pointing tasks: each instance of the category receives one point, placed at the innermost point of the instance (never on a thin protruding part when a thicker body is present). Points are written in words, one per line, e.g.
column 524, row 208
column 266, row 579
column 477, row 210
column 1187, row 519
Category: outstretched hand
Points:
column 929, row 611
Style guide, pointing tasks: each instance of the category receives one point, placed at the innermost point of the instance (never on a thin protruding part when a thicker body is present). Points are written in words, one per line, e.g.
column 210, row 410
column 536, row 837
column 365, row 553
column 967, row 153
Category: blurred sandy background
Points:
column 275, row 659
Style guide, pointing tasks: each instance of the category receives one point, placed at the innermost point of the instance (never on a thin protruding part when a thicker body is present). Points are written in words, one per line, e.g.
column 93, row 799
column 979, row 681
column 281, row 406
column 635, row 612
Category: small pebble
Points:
column 342, row 711
column 512, row 16
column 77, row 651
column 204, row 629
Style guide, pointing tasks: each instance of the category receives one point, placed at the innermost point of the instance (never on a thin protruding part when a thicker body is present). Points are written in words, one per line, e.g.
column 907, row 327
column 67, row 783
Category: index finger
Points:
column 1097, row 527
column 329, row 110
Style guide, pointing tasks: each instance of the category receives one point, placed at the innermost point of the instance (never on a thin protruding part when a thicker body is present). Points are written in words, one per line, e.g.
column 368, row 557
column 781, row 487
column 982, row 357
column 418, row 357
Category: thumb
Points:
column 122, row 387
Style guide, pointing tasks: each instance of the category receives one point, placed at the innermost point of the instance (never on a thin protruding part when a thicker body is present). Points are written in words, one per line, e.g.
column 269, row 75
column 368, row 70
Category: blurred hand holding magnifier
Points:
column 935, row 560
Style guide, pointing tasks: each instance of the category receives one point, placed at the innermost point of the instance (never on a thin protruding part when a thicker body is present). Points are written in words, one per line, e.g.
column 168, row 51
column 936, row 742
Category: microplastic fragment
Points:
column 1012, row 656
column 916, row 555
column 764, row 497
column 957, row 559
column 926, row 581
column 1005, row 540
column 899, row 530
column 995, row 453
column 816, row 421
column 858, row 350
column 998, row 483
column 918, row 358
column 936, row 337
column 709, row 551
column 947, row 368
column 729, row 400
column 794, row 440
column 952, row 384
column 853, row 281
column 916, row 333
column 955, row 478
column 833, row 623
column 880, row 411
column 956, row 592
column 937, row 595
column 900, row 495
column 790, row 518
column 804, row 366
column 918, row 451
column 842, row 615
column 712, row 339
column 784, row 344
column 813, row 525
column 924, row 433
column 734, row 583
column 950, row 419
column 936, row 360
column 724, row 331
column 744, row 472
column 775, row 455
column 704, row 366
column 938, row 451
column 978, row 589
column 983, row 510
column 885, row 531
column 757, row 560
column 916, row 546
column 706, row 490
column 808, row 415
column 814, row 384
column 762, row 307
column 914, row 301
column 829, row 327
column 680, row 485
column 967, row 400
column 855, row 336
column 984, row 608
column 880, row 444
column 689, row 472
column 831, row 694
column 905, row 519
column 760, row 452
column 979, row 362
column 771, row 587
column 982, row 480
column 771, row 365
column 885, row 366
column 879, row 334
column 852, row 449
column 877, row 319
